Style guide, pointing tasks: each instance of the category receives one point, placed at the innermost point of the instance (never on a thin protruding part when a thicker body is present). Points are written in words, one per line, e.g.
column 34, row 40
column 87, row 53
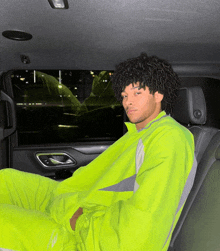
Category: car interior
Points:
column 58, row 111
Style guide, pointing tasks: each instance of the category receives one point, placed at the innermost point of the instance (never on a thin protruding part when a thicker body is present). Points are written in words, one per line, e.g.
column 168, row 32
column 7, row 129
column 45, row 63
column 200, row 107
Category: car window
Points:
column 65, row 106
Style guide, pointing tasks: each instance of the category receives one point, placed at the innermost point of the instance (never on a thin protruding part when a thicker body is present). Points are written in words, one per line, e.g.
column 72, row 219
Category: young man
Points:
column 130, row 197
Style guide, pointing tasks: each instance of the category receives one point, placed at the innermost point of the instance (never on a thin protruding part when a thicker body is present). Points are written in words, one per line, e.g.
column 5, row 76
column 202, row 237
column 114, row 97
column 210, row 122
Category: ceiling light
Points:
column 17, row 35
column 59, row 4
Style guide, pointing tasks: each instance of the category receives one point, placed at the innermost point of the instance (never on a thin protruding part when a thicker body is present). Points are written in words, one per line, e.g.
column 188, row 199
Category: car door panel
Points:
column 56, row 161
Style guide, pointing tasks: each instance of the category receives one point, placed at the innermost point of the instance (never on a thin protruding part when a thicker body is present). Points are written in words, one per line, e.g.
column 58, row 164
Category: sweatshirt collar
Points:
column 132, row 127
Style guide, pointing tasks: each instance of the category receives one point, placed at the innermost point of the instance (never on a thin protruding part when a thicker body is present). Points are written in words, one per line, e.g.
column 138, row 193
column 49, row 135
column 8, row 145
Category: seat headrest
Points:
column 190, row 106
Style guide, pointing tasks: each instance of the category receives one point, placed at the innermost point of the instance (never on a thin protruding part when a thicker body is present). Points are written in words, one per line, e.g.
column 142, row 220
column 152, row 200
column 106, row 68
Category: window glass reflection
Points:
column 66, row 106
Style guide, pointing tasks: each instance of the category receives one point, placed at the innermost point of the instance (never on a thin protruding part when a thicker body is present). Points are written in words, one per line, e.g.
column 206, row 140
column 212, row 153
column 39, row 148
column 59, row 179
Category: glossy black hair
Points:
column 155, row 73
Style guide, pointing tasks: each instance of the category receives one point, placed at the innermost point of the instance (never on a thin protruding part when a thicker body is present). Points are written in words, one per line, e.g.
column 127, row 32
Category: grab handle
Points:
column 8, row 131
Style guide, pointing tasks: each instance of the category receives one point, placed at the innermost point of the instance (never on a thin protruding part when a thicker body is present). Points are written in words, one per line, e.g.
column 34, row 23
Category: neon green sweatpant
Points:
column 24, row 223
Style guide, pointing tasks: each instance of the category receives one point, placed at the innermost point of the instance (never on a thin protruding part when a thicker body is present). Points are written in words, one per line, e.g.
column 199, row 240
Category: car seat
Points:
column 190, row 110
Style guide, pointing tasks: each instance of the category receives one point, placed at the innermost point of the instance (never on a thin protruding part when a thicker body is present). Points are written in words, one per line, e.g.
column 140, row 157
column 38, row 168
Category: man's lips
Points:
column 131, row 110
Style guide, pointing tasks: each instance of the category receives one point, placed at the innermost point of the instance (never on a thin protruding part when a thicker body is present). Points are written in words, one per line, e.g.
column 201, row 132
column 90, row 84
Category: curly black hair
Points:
column 155, row 73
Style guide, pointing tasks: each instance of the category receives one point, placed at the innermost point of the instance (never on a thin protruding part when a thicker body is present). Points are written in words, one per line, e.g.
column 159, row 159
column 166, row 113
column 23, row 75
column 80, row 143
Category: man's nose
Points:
column 129, row 101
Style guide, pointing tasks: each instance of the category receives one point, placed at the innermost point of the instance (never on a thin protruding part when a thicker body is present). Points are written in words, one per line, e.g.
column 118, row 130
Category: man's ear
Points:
column 158, row 96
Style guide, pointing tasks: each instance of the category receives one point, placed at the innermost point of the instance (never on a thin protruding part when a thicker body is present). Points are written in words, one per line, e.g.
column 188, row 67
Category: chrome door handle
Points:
column 56, row 159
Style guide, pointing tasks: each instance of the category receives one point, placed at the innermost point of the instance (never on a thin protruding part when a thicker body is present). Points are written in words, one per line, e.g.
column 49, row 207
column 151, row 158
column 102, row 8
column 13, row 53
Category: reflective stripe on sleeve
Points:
column 125, row 185
column 139, row 159
column 3, row 249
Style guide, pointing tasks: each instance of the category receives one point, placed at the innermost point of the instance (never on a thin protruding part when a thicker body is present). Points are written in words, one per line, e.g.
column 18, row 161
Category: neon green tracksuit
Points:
column 131, row 195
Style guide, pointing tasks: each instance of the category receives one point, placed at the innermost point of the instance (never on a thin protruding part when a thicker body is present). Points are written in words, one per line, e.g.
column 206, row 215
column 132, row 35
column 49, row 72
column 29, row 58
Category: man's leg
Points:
column 28, row 230
column 25, row 190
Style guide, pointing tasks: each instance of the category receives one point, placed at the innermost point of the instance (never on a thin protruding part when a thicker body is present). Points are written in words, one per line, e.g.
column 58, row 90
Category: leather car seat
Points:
column 190, row 110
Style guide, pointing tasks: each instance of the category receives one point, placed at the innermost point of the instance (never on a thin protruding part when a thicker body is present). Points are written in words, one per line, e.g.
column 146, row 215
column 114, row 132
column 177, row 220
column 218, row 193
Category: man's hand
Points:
column 75, row 217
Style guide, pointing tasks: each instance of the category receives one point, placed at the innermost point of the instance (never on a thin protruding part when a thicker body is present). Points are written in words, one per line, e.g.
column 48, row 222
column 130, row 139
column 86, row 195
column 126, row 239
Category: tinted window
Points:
column 66, row 106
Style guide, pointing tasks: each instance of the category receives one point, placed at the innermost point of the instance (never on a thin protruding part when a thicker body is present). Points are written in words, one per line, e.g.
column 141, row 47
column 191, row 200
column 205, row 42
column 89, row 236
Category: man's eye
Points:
column 138, row 93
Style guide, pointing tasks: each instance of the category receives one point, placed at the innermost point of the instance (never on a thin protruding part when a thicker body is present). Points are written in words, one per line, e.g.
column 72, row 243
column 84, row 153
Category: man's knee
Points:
column 8, row 172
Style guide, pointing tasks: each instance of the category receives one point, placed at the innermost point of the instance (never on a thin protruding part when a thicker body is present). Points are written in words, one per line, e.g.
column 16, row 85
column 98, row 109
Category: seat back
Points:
column 190, row 110
column 200, row 229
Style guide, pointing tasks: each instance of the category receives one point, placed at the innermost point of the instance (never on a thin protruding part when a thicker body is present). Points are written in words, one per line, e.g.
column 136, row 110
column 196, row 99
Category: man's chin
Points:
column 133, row 121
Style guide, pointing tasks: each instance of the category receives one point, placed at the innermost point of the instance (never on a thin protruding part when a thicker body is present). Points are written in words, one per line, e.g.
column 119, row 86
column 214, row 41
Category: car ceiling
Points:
column 98, row 34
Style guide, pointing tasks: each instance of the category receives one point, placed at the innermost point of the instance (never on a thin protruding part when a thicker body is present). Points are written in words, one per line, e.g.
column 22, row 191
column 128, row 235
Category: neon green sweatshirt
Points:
column 133, row 193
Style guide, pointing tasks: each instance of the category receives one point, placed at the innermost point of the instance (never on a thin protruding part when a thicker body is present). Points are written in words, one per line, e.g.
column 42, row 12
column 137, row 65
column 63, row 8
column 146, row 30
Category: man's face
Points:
column 141, row 106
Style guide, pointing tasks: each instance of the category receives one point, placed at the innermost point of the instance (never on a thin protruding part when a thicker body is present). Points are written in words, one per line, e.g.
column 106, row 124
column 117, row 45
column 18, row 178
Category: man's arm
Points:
column 145, row 219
